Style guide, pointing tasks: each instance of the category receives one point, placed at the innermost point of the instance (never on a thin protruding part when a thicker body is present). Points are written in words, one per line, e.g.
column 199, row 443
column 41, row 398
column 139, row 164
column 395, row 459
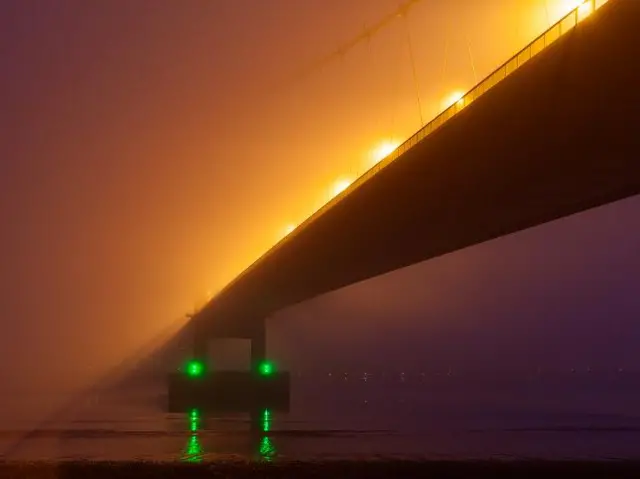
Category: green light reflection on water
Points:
column 267, row 449
column 194, row 451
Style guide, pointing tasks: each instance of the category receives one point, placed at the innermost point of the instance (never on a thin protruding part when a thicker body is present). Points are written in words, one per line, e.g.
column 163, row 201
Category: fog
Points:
column 148, row 155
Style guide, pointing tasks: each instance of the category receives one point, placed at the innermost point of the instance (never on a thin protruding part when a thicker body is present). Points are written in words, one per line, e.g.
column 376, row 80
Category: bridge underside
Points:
column 557, row 137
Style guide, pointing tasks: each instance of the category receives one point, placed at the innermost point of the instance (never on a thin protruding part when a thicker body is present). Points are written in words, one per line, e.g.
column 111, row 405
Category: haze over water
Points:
column 125, row 194
column 484, row 387
column 420, row 416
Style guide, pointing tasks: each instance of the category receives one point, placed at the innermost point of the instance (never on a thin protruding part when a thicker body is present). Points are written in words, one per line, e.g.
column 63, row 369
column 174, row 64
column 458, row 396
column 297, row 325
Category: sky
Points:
column 152, row 150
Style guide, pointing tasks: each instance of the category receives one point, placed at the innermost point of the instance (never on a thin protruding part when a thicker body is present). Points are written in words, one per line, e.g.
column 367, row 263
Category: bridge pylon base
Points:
column 229, row 391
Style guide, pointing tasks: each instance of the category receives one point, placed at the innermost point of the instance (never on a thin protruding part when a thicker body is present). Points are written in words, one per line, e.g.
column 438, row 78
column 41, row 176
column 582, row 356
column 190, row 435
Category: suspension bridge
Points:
column 548, row 134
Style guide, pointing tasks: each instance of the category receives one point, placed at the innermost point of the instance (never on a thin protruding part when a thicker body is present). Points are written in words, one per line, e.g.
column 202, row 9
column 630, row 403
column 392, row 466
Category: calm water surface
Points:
column 567, row 416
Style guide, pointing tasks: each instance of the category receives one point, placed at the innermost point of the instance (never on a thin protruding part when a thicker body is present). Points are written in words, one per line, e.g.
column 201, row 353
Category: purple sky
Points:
column 149, row 152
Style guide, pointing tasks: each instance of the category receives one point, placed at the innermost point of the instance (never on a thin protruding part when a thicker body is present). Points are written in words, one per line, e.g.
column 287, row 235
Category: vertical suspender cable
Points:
column 473, row 65
column 413, row 67
column 446, row 58
column 546, row 11
column 395, row 87
column 373, row 62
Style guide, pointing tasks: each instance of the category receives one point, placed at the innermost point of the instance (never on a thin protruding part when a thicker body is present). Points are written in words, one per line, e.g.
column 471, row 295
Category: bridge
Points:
column 550, row 133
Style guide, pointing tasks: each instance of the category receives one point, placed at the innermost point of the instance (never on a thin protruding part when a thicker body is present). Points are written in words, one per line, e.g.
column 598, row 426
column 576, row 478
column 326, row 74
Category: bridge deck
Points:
column 556, row 137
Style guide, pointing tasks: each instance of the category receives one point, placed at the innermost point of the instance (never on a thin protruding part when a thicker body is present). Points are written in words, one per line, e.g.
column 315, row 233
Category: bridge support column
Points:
column 259, row 391
column 259, row 346
column 199, row 342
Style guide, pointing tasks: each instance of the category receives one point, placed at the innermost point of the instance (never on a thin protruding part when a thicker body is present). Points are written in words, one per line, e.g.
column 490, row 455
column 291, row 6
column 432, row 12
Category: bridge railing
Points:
column 563, row 26
column 560, row 28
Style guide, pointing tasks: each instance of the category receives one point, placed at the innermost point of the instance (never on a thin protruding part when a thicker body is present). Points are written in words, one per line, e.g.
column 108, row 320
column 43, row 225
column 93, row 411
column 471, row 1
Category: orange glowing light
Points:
column 454, row 98
column 585, row 10
column 383, row 150
column 340, row 185
column 289, row 229
column 568, row 6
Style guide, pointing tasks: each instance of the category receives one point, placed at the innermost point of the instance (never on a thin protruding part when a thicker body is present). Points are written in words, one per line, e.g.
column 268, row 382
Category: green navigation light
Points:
column 266, row 368
column 195, row 368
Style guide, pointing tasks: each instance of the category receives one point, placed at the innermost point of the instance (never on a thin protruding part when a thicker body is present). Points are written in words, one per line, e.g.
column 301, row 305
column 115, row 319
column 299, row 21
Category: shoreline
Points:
column 521, row 469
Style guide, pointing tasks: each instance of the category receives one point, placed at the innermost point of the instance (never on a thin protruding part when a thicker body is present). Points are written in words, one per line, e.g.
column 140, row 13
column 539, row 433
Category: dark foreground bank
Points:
column 333, row 469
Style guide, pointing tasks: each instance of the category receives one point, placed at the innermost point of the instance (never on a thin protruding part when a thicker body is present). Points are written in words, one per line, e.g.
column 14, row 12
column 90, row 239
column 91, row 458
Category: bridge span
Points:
column 551, row 133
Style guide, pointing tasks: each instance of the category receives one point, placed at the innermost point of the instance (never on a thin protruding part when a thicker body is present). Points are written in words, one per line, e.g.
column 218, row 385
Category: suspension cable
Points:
column 342, row 49
column 446, row 57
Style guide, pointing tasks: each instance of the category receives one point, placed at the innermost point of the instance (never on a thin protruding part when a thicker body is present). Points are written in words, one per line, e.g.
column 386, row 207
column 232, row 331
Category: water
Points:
column 416, row 416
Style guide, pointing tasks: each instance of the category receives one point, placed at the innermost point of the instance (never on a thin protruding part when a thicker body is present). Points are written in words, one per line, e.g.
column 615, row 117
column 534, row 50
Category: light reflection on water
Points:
column 266, row 450
column 194, row 450
column 576, row 416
